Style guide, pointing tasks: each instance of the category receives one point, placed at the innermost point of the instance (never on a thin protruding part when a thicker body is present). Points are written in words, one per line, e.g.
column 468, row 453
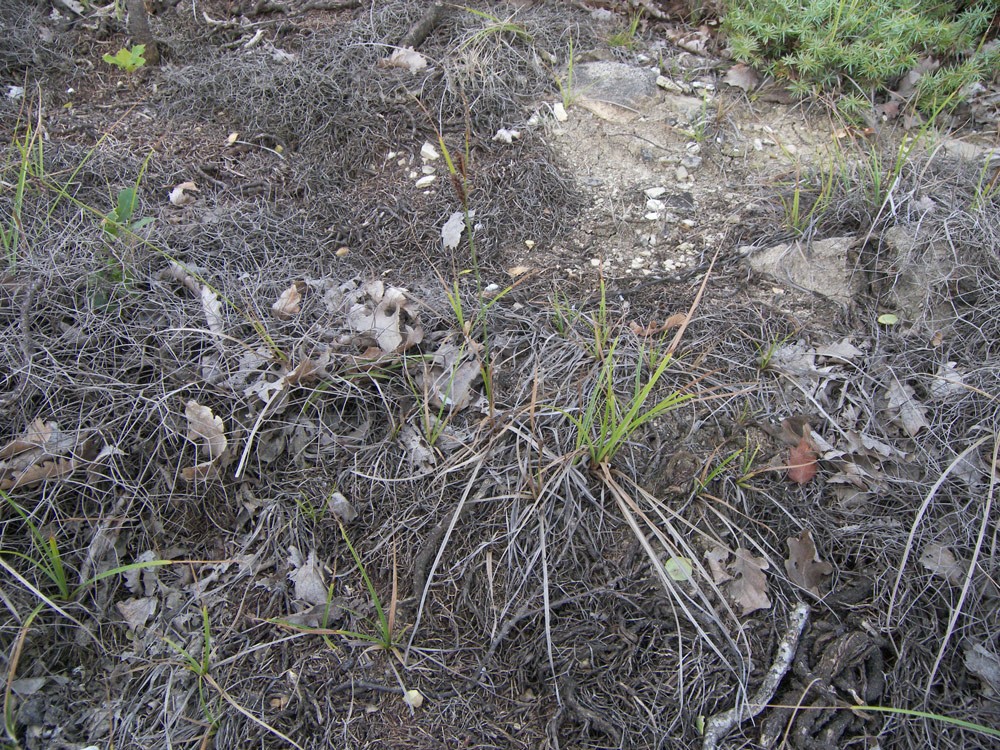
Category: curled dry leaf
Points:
column 307, row 577
column 289, row 302
column 448, row 381
column 655, row 330
column 404, row 57
column 376, row 317
column 803, row 565
column 416, row 448
column 941, row 561
column 137, row 612
column 742, row 76
column 909, row 413
column 180, row 196
column 717, row 564
column 40, row 453
column 749, row 588
column 206, row 427
column 210, row 303
column 802, row 461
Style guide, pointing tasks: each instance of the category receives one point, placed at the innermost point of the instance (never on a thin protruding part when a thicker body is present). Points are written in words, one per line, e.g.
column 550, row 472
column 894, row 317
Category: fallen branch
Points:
column 721, row 724
column 421, row 29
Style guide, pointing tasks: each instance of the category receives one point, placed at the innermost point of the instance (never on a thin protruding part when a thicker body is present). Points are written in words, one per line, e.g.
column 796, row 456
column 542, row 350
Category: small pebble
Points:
column 655, row 205
column 428, row 152
column 652, row 216
column 681, row 174
column 559, row 111
column 758, row 145
column 687, row 223
column 425, row 181
column 654, row 192
column 428, row 169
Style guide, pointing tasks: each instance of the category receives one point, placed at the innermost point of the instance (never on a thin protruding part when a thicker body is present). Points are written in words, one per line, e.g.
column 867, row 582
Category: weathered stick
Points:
column 422, row 28
column 138, row 30
column 720, row 725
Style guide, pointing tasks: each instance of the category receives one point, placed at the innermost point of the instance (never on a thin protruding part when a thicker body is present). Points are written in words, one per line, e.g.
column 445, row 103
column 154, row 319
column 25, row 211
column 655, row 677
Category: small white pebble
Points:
column 652, row 216
column 391, row 155
column 687, row 223
column 654, row 192
column 758, row 145
column 425, row 181
column 559, row 112
column 428, row 152
column 654, row 205
column 681, row 174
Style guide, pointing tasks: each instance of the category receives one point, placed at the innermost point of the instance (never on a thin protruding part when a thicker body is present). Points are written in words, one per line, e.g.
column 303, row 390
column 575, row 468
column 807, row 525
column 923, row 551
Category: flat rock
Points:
column 614, row 91
column 822, row 266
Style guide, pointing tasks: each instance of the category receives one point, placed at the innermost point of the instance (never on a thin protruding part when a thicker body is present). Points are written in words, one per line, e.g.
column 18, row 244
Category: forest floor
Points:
column 703, row 418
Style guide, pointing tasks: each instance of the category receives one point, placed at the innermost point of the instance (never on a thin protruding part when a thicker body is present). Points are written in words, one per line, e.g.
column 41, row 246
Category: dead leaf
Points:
column 375, row 316
column 948, row 383
column 654, row 330
column 137, row 611
column 803, row 565
column 179, row 195
column 742, row 76
column 307, row 577
column 940, row 560
column 516, row 271
column 448, row 381
column 288, row 304
column 749, row 589
column 717, row 564
column 909, row 411
column 404, row 57
column 420, row 455
column 843, row 351
column 802, row 461
column 984, row 665
column 209, row 299
column 451, row 232
column 40, row 452
column 341, row 507
column 204, row 425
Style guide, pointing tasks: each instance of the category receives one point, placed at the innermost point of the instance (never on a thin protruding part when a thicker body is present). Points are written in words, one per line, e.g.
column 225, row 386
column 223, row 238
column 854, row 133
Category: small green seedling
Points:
column 121, row 216
column 128, row 60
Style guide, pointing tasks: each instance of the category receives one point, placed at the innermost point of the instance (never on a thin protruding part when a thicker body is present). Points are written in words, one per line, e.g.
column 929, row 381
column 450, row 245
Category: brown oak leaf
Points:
column 749, row 589
column 803, row 565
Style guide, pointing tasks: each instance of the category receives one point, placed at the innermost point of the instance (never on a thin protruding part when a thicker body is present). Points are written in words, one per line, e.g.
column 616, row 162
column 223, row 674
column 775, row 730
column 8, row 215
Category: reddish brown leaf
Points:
column 802, row 462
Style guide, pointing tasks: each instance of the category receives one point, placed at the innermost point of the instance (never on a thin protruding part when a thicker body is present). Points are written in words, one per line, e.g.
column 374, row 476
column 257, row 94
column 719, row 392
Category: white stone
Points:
column 425, row 181
column 428, row 169
column 654, row 192
column 758, row 145
column 687, row 223
column 559, row 112
column 652, row 216
column 654, row 205
column 428, row 152
column 681, row 174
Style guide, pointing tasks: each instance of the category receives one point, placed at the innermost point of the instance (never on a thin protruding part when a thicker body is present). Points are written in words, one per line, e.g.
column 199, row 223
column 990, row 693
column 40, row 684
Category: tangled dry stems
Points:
column 117, row 360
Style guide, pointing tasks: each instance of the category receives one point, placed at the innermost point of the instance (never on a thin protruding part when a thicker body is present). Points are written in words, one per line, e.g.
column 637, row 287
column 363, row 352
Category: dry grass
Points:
column 530, row 610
